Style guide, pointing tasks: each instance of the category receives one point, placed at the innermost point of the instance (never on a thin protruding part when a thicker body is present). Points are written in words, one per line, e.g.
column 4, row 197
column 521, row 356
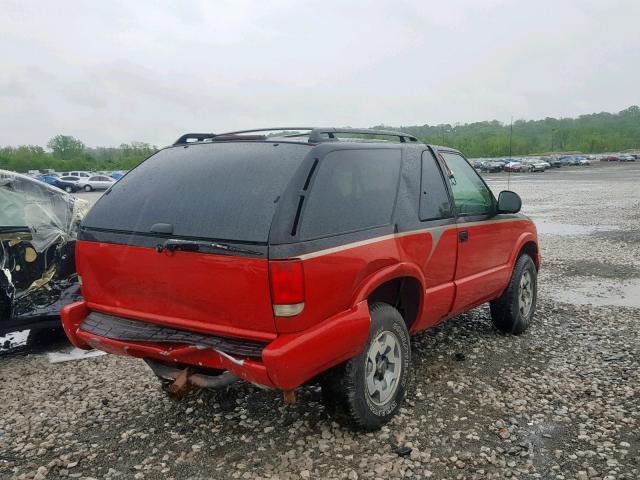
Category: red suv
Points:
column 306, row 257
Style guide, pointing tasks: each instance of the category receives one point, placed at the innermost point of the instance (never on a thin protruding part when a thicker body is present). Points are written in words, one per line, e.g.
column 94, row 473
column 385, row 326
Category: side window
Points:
column 434, row 199
column 470, row 194
column 353, row 190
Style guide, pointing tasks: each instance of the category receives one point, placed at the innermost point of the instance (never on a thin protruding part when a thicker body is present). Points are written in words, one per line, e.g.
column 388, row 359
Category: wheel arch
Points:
column 400, row 285
column 527, row 243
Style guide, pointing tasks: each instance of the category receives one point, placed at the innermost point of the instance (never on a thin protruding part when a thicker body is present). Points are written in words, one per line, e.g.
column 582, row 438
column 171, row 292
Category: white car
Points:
column 77, row 173
column 96, row 182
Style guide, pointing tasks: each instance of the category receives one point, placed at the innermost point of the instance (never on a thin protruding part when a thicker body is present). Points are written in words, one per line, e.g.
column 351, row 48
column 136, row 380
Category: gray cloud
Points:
column 122, row 71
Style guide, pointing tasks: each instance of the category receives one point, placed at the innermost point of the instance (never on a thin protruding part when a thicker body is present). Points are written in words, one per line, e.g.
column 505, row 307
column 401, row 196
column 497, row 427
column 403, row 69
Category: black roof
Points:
column 312, row 135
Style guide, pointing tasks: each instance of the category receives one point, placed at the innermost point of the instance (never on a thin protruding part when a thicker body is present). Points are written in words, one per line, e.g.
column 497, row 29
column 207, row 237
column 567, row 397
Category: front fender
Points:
column 523, row 239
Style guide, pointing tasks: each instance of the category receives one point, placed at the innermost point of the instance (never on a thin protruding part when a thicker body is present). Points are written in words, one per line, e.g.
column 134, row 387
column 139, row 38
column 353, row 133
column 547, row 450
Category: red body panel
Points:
column 230, row 296
column 293, row 359
column 201, row 292
column 483, row 268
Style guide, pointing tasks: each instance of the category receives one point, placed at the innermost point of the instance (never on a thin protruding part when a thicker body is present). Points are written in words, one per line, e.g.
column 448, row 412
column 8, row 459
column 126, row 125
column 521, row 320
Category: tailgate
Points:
column 210, row 293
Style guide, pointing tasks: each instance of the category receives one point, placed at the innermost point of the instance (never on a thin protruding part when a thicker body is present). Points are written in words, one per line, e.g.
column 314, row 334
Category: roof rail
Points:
column 194, row 137
column 328, row 134
column 316, row 135
column 272, row 129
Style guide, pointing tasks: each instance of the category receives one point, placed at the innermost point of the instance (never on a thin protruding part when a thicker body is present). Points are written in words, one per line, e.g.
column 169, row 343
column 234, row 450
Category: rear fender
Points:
column 373, row 281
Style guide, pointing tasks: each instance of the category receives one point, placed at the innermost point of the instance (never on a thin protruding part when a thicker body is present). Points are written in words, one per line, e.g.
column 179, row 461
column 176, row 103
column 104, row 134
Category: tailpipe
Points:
column 185, row 379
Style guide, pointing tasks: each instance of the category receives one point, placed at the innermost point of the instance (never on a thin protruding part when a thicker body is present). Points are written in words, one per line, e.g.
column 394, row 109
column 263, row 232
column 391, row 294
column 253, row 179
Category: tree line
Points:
column 66, row 153
column 594, row 133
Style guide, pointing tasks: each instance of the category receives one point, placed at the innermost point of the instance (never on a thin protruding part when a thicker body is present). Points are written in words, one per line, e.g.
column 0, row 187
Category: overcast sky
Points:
column 113, row 72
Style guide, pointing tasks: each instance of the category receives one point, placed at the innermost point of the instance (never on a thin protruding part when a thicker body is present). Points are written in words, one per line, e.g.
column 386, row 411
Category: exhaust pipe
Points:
column 183, row 378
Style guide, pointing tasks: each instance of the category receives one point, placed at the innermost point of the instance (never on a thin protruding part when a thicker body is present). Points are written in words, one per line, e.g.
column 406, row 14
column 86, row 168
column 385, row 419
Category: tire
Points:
column 511, row 312
column 68, row 189
column 346, row 391
column 87, row 188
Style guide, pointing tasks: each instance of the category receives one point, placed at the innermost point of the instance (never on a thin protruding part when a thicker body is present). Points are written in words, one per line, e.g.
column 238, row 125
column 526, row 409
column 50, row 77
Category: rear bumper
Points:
column 286, row 363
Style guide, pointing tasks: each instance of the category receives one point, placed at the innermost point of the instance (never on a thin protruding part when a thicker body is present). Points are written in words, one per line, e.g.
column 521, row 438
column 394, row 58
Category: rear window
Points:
column 224, row 191
column 354, row 190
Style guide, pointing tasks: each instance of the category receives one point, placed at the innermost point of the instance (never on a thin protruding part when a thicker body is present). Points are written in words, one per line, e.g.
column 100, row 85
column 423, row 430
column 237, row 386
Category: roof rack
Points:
column 194, row 137
column 316, row 135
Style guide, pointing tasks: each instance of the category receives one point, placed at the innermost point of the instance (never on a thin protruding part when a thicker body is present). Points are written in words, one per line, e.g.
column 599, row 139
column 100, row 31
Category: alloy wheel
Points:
column 383, row 367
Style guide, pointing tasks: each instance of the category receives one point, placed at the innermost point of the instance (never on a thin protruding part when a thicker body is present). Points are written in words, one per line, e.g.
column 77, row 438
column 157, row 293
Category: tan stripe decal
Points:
column 436, row 233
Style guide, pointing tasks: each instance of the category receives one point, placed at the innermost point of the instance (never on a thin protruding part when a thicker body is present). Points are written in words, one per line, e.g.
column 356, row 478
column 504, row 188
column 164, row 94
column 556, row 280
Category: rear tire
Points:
column 366, row 392
column 87, row 188
column 513, row 310
column 68, row 189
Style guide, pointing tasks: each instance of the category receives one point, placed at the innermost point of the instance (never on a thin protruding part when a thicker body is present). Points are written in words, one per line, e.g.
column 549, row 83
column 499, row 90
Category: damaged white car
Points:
column 38, row 226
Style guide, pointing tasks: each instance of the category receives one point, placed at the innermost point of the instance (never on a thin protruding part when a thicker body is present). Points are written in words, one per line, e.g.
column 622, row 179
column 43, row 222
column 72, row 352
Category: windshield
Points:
column 224, row 191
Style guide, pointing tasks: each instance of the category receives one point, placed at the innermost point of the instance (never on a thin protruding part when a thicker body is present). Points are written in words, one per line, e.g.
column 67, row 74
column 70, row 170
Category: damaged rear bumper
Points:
column 284, row 363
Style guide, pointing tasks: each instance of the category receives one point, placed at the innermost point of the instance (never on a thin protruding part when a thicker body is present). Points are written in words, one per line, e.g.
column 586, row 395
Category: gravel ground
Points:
column 559, row 402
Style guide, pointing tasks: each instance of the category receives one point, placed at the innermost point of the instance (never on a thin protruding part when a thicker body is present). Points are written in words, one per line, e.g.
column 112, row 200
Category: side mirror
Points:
column 509, row 202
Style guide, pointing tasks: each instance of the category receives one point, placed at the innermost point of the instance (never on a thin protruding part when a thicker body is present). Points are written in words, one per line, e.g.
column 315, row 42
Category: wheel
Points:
column 87, row 188
column 366, row 392
column 68, row 189
column 513, row 310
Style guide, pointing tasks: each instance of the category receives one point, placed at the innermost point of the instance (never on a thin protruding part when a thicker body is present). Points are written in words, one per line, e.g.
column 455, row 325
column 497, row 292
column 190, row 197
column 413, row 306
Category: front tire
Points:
column 68, row 189
column 513, row 310
column 87, row 188
column 366, row 392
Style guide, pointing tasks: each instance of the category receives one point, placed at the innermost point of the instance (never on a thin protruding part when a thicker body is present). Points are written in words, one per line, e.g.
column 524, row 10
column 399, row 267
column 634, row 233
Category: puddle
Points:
column 552, row 228
column 620, row 293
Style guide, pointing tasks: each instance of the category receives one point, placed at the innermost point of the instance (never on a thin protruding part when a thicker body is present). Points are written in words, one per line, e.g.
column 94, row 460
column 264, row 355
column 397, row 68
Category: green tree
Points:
column 66, row 147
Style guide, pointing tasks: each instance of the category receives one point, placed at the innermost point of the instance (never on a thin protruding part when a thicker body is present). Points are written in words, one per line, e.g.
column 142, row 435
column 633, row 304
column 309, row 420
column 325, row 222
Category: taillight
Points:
column 287, row 287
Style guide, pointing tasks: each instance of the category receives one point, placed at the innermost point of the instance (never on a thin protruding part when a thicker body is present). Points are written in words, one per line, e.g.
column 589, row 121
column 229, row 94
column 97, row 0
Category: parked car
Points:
column 627, row 158
column 287, row 262
column 546, row 161
column 536, row 166
column 584, row 161
column 96, row 182
column 556, row 162
column 77, row 173
column 117, row 175
column 513, row 167
column 567, row 160
column 38, row 225
column 51, row 180
column 609, row 158
column 69, row 186
column 493, row 167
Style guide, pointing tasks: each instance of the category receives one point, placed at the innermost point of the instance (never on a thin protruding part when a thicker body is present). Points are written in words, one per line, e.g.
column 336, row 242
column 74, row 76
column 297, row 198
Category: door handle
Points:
column 463, row 235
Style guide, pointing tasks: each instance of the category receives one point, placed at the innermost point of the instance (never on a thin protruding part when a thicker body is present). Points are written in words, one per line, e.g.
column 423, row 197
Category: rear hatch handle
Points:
column 175, row 244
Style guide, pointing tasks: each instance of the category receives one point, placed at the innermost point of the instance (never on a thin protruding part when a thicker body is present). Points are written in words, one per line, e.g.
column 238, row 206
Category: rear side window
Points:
column 434, row 199
column 224, row 191
column 353, row 190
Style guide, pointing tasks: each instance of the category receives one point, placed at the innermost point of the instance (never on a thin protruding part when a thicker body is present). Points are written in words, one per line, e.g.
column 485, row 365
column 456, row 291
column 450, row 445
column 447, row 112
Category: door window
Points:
column 471, row 196
column 434, row 198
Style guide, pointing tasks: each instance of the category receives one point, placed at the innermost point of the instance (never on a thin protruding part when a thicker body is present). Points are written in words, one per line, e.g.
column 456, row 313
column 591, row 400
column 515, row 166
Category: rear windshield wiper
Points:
column 175, row 244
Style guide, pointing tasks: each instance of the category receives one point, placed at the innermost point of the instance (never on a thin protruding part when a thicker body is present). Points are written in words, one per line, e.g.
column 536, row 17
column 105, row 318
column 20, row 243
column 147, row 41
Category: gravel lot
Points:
column 559, row 402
